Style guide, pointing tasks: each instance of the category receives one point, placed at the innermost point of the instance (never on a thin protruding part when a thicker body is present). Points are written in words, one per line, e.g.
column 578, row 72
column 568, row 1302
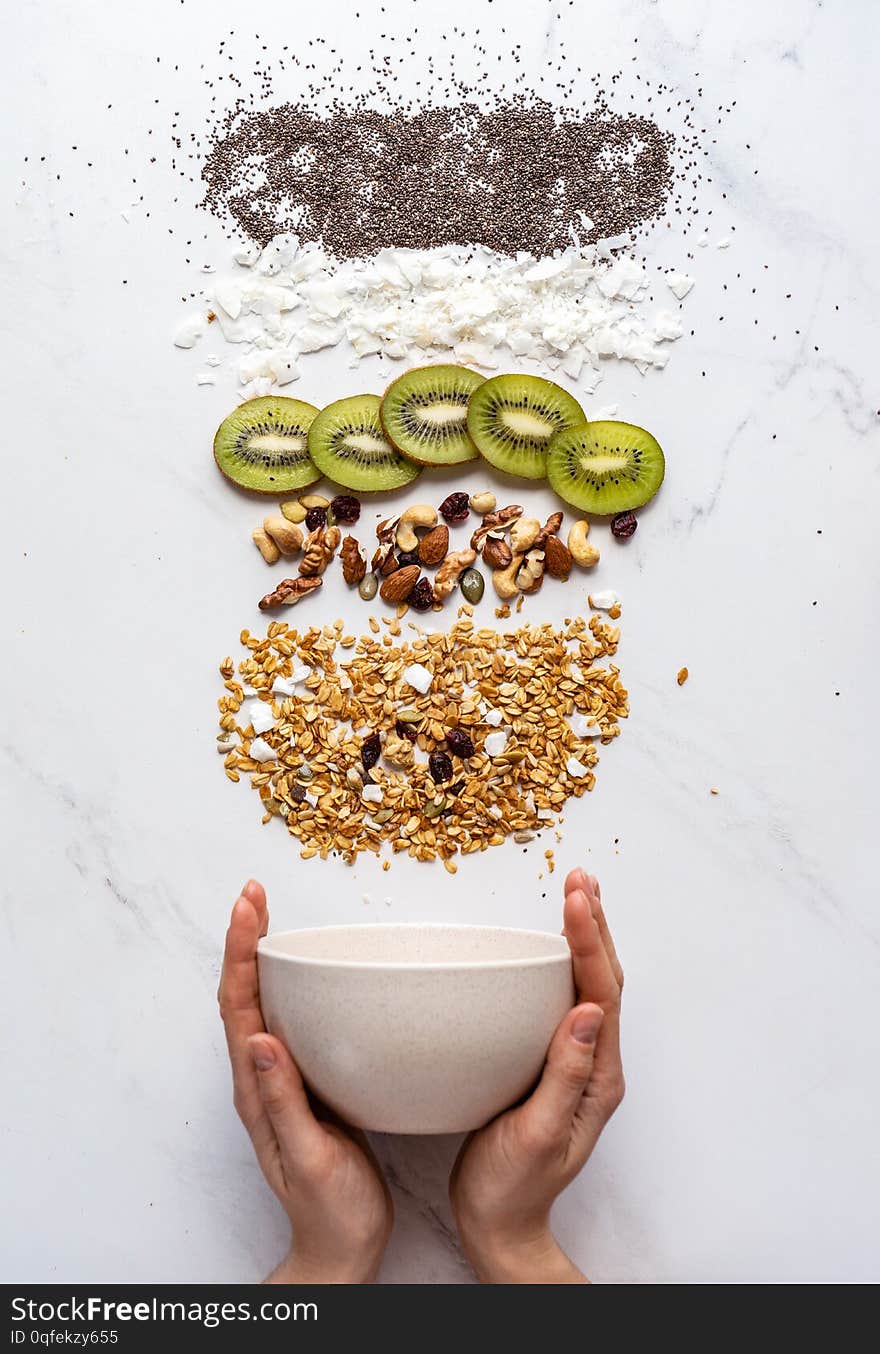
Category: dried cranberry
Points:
column 422, row 596
column 623, row 525
column 455, row 508
column 405, row 557
column 316, row 517
column 345, row 508
column 404, row 730
column 440, row 767
column 460, row 744
column 371, row 750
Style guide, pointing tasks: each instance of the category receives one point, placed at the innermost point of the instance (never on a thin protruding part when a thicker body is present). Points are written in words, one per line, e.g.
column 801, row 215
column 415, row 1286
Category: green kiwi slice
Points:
column 605, row 467
column 512, row 418
column 424, row 413
column 263, row 445
column 348, row 445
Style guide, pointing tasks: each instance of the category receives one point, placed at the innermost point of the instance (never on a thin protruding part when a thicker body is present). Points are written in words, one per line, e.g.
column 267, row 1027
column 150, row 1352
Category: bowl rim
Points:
column 264, row 947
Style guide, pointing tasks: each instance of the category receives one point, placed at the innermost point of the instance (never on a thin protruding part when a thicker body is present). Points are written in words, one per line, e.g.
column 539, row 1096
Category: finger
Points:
column 575, row 879
column 285, row 1102
column 256, row 895
column 593, row 974
column 606, row 937
column 239, row 998
column 550, row 1109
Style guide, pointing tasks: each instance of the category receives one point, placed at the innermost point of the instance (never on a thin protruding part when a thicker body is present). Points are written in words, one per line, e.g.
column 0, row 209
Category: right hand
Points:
column 323, row 1173
column 508, row 1174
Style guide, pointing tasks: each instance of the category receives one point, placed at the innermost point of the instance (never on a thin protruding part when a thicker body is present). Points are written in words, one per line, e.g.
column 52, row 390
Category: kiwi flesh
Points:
column 605, row 467
column 511, row 419
column 347, row 444
column 424, row 414
column 263, row 445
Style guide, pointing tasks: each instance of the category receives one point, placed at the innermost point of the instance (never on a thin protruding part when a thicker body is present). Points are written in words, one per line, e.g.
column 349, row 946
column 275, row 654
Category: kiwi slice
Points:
column 512, row 418
column 263, row 445
column 424, row 413
column 605, row 467
column 348, row 445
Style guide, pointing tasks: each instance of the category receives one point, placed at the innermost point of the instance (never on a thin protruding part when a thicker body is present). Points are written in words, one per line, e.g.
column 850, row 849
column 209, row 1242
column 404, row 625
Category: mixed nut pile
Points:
column 438, row 745
column 518, row 551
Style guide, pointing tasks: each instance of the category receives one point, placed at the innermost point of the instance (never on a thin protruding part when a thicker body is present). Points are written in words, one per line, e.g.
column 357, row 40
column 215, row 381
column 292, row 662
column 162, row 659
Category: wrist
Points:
column 532, row 1256
column 301, row 1268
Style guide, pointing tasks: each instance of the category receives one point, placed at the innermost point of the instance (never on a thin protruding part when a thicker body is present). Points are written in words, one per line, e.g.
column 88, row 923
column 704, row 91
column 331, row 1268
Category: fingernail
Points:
column 251, row 890
column 586, row 1025
column 263, row 1055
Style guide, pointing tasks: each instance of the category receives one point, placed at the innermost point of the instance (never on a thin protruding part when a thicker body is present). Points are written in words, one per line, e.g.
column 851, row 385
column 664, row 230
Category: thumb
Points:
column 568, row 1068
column 284, row 1097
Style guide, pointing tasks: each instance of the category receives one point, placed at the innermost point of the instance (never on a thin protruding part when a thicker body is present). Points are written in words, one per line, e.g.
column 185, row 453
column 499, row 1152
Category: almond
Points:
column 435, row 546
column 497, row 554
column 398, row 586
column 557, row 558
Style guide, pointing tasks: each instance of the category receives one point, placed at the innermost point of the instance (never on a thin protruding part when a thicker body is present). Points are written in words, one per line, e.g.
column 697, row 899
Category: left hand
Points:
column 323, row 1173
column 509, row 1173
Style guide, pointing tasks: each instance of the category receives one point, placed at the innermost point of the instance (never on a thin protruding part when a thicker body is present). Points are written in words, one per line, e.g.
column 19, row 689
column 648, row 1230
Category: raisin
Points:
column 371, row 750
column 460, row 743
column 404, row 730
column 457, row 788
column 440, row 767
column 345, row 508
column 422, row 596
column 297, row 794
column 623, row 525
column 455, row 508
column 405, row 557
column 316, row 517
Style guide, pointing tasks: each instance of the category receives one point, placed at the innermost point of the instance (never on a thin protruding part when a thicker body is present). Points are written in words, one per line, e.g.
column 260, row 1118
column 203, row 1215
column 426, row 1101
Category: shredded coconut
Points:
column 567, row 311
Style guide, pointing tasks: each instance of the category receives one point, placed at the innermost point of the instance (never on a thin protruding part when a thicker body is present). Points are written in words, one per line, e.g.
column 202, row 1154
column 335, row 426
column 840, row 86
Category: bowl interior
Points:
column 413, row 944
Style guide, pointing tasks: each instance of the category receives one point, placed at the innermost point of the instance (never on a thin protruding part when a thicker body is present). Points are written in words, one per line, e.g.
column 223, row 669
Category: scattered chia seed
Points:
column 520, row 175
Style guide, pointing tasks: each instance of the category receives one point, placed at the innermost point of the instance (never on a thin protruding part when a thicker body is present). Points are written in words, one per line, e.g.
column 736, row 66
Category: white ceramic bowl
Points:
column 416, row 1028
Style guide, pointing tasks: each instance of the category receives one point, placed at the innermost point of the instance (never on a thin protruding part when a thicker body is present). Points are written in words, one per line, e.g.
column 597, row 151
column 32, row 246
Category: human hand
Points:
column 508, row 1174
column 323, row 1173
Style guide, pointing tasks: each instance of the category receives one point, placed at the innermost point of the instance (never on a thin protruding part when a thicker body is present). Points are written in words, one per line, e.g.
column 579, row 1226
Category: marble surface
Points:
column 746, row 1150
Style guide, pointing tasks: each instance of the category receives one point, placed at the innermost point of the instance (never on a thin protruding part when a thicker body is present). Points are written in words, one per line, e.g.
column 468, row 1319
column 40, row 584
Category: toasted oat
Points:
column 533, row 679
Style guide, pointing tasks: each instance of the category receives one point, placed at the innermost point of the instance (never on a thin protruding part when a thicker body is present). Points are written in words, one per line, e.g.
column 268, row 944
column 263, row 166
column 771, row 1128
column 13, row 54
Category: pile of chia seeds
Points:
column 518, row 175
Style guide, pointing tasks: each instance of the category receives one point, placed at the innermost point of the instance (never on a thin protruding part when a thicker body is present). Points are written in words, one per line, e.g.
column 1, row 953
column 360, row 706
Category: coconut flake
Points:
column 495, row 743
column 679, row 284
column 259, row 715
column 567, row 310
column 285, row 686
column 189, row 331
column 418, row 677
column 372, row 794
column 493, row 717
column 603, row 601
column 576, row 768
column 582, row 729
column 260, row 751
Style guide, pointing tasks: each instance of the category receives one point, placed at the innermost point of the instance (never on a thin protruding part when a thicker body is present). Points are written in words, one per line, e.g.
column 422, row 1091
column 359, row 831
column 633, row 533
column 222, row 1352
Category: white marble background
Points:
column 746, row 1150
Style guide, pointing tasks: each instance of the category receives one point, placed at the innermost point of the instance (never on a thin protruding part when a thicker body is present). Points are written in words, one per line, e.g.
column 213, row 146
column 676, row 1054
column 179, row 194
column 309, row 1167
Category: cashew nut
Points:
column 523, row 534
column 504, row 580
column 266, row 546
column 286, row 536
column 582, row 552
column 483, row 503
column 420, row 515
